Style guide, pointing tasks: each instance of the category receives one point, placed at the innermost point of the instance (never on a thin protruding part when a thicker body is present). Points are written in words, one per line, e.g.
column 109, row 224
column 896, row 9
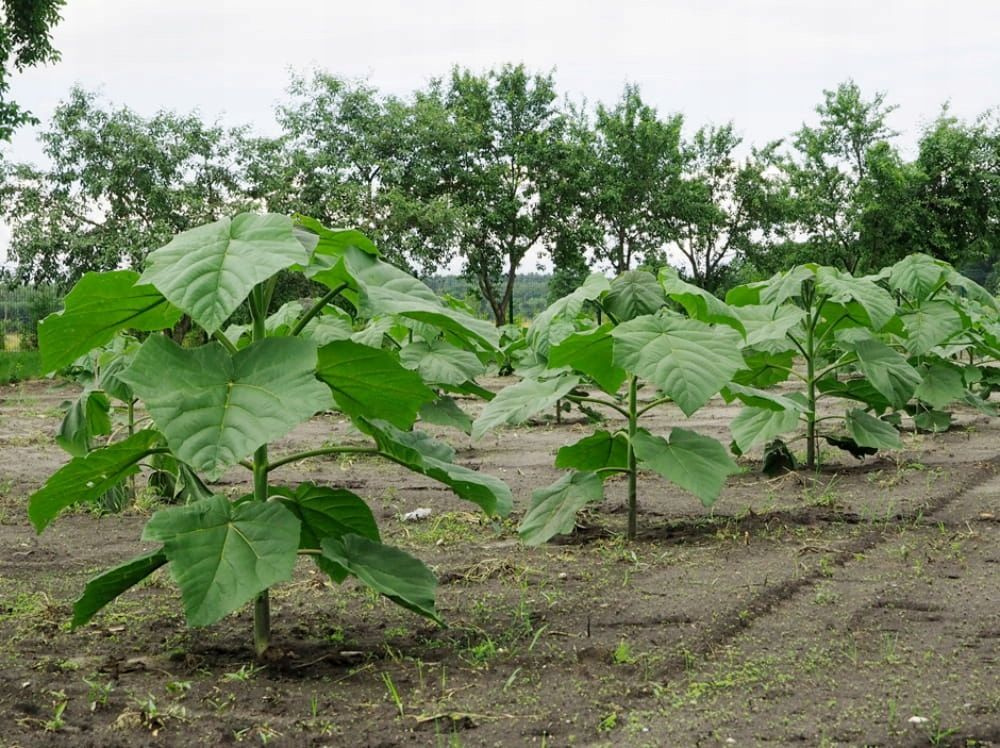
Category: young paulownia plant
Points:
column 686, row 359
column 221, row 405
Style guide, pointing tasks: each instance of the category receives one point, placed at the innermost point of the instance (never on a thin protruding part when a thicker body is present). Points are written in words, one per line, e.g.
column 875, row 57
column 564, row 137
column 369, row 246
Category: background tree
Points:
column 636, row 190
column 959, row 190
column 730, row 208
column 500, row 172
column 118, row 186
column 353, row 157
column 826, row 172
column 25, row 41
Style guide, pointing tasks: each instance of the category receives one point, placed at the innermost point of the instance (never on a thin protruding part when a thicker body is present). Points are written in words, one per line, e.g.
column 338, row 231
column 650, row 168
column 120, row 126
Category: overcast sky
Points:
column 761, row 63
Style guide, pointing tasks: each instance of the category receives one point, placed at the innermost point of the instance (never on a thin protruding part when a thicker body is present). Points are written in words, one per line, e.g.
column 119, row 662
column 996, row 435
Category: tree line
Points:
column 480, row 168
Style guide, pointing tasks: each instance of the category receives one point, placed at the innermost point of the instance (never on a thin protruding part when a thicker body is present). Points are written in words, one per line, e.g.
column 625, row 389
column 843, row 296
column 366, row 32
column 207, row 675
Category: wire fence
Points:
column 21, row 309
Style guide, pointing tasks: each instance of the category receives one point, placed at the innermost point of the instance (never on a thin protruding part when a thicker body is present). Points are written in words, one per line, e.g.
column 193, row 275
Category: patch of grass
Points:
column 16, row 366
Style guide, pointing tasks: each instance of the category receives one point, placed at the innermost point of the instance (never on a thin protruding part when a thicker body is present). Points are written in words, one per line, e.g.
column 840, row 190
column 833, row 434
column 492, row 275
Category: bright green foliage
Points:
column 215, row 408
column 99, row 306
column 885, row 342
column 86, row 478
column 685, row 359
column 392, row 572
column 210, row 270
column 220, row 405
column 371, row 382
column 223, row 554
column 108, row 585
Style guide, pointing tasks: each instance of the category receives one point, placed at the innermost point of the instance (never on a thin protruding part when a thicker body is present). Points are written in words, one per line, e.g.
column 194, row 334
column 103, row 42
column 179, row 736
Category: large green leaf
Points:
column 918, row 276
column 423, row 454
column 87, row 417
column 931, row 324
column 208, row 271
column 553, row 508
column 869, row 431
column 389, row 571
column 887, row 371
column 753, row 425
column 687, row 360
column 941, row 384
column 557, row 321
column 633, row 294
column 697, row 302
column 764, row 369
column 768, row 326
column 334, row 242
column 100, row 305
column 601, row 449
column 518, row 402
column 222, row 555
column 385, row 289
column 86, row 478
column 215, row 409
column 108, row 585
column 877, row 303
column 856, row 388
column 440, row 362
column 778, row 289
column 590, row 352
column 444, row 411
column 369, row 382
column 327, row 328
column 758, row 398
column 327, row 513
column 694, row 462
column 972, row 290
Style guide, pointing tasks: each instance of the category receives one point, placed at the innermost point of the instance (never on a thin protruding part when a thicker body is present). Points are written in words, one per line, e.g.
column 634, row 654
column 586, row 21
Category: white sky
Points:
column 761, row 63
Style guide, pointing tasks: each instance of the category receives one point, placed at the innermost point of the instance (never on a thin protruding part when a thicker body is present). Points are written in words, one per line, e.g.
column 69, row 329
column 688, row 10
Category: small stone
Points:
column 417, row 514
column 915, row 720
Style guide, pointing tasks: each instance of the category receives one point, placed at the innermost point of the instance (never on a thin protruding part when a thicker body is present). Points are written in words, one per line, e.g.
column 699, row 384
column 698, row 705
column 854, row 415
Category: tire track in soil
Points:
column 728, row 626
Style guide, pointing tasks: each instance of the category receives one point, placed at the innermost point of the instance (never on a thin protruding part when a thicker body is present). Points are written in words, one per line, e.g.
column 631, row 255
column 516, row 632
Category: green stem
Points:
column 606, row 403
column 652, row 404
column 632, row 468
column 226, row 342
column 262, row 604
column 319, row 453
column 131, row 431
column 810, row 355
column 316, row 308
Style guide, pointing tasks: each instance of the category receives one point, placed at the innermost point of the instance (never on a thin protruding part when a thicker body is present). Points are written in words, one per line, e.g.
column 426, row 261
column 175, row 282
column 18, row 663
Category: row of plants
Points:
column 909, row 341
column 898, row 348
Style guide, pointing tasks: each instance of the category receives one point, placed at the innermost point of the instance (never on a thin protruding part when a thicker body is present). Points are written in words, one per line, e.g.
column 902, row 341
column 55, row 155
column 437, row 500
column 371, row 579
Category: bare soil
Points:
column 855, row 605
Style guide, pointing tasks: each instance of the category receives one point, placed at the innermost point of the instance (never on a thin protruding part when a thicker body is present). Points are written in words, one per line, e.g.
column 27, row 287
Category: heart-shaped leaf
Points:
column 208, row 271
column 370, row 382
column 554, row 508
column 389, row 571
column 215, row 409
column 222, row 555
column 100, row 305
column 694, row 462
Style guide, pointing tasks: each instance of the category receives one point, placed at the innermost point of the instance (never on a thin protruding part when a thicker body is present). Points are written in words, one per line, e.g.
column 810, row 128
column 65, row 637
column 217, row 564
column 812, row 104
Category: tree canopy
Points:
column 25, row 41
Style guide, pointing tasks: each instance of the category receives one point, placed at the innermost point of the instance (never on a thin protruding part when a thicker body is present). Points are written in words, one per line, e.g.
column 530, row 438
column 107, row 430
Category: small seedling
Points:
column 98, row 693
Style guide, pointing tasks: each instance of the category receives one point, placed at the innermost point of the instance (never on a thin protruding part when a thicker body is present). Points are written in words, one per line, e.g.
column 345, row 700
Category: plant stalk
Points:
column 633, row 420
column 262, row 604
column 810, row 352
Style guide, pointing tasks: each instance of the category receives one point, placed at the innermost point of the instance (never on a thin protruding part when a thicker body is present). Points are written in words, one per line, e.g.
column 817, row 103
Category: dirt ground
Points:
column 858, row 605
